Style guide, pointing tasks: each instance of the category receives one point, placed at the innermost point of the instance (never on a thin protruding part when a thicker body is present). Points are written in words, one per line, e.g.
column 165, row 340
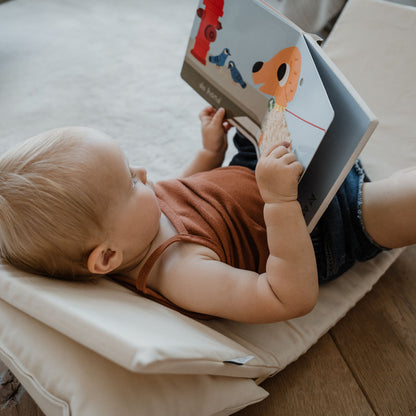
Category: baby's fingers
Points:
column 275, row 151
column 296, row 168
column 267, row 149
column 219, row 116
column 289, row 158
column 227, row 126
column 282, row 152
column 206, row 112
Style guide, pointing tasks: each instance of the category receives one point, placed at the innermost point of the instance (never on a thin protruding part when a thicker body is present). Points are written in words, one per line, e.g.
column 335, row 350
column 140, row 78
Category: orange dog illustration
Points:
column 278, row 77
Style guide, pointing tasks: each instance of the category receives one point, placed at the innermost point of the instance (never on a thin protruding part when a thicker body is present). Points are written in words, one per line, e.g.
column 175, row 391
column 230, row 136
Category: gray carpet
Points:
column 95, row 63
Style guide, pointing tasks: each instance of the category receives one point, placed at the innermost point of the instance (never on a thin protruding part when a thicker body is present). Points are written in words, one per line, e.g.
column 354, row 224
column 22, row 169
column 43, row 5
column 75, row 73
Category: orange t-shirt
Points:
column 221, row 209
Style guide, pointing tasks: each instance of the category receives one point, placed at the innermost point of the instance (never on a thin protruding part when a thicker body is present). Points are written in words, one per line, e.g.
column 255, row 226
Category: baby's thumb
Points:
column 219, row 116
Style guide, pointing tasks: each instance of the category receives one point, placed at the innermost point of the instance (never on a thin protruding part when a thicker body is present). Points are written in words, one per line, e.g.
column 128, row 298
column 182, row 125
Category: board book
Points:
column 245, row 56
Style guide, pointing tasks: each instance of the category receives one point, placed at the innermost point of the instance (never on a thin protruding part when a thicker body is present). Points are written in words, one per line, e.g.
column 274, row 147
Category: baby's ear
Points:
column 103, row 260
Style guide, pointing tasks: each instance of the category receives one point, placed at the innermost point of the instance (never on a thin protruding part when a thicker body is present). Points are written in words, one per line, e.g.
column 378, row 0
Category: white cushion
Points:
column 65, row 378
column 145, row 337
column 132, row 331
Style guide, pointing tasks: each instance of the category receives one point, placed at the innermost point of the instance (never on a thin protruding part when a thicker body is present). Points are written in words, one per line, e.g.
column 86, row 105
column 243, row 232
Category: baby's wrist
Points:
column 271, row 209
column 270, row 197
column 210, row 159
column 282, row 214
column 213, row 153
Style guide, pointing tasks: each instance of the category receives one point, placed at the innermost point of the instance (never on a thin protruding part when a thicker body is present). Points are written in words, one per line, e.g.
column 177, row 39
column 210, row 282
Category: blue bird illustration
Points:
column 220, row 59
column 235, row 74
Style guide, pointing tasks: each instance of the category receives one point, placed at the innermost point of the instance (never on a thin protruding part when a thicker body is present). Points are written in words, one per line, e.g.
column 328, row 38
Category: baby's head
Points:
column 52, row 206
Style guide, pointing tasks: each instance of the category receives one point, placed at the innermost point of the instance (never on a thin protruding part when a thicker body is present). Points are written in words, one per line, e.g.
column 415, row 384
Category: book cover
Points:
column 246, row 57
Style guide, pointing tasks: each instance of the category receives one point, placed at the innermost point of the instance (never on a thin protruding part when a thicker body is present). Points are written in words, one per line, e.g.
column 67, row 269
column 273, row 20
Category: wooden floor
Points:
column 14, row 399
column 366, row 365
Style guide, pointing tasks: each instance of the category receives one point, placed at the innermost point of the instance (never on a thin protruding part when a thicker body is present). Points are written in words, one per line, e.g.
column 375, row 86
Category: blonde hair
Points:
column 50, row 214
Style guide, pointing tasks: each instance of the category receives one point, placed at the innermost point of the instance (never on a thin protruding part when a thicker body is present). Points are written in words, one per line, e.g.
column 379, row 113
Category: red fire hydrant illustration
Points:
column 207, row 33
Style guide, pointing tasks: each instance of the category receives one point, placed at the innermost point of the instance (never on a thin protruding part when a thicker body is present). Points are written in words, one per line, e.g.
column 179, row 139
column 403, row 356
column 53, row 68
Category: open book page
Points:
column 244, row 56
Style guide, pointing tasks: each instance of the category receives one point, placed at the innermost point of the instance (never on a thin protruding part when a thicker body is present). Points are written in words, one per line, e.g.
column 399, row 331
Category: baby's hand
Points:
column 214, row 130
column 277, row 174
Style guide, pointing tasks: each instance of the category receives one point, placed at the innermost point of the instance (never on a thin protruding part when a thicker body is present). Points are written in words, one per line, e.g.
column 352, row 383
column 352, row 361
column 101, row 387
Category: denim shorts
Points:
column 339, row 239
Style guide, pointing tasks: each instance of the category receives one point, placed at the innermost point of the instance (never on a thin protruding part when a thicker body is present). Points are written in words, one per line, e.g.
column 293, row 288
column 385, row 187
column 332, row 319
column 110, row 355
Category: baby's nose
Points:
column 140, row 172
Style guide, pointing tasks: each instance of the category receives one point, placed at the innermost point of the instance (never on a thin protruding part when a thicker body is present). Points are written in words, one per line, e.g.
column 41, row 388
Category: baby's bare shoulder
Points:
column 179, row 261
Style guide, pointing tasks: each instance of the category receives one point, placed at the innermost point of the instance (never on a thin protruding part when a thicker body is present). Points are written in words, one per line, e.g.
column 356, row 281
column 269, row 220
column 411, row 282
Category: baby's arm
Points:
column 214, row 142
column 291, row 267
column 200, row 282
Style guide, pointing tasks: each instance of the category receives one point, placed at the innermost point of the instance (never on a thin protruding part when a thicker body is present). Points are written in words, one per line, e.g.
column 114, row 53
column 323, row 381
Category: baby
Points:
column 221, row 241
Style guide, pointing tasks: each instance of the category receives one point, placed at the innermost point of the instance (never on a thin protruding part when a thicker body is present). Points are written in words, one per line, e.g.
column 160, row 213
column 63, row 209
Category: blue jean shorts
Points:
column 339, row 239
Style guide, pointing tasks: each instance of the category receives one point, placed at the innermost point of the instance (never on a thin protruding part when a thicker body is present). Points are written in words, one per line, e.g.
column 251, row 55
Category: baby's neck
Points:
column 129, row 272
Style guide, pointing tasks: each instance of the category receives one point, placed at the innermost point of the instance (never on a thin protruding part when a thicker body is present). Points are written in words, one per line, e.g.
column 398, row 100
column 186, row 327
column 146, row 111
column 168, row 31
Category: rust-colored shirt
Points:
column 221, row 209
